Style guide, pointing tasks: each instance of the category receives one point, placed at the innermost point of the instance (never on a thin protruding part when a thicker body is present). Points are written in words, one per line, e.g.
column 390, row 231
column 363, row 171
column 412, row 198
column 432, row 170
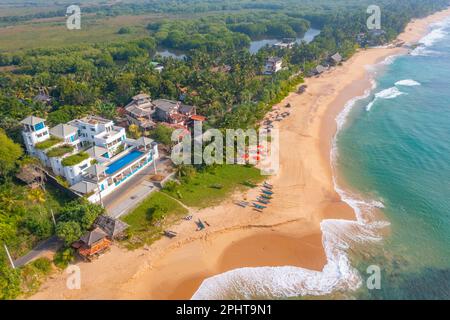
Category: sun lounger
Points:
column 258, row 206
column 200, row 225
column 263, row 201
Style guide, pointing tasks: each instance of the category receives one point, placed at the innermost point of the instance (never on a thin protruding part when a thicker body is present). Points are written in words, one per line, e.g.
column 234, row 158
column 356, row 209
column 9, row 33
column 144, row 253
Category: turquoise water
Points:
column 395, row 148
column 392, row 162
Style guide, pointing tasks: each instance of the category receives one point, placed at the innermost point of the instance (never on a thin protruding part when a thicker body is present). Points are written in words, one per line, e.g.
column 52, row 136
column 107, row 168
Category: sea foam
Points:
column 407, row 83
column 389, row 93
column 337, row 235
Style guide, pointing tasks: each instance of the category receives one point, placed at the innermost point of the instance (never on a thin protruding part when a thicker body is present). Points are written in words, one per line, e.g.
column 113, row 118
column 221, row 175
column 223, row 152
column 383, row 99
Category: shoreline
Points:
column 287, row 233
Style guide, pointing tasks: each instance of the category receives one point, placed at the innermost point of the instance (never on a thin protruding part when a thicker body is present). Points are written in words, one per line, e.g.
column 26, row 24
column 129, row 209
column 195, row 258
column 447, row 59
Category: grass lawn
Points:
column 148, row 220
column 211, row 186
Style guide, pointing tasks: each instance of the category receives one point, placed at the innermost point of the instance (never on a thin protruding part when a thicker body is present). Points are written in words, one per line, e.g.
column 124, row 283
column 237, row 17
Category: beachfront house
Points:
column 336, row 58
column 157, row 66
column 145, row 113
column 318, row 70
column 140, row 111
column 273, row 65
column 93, row 155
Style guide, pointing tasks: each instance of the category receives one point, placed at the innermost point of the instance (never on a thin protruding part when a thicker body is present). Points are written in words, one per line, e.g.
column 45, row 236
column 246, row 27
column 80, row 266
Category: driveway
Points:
column 132, row 192
column 43, row 249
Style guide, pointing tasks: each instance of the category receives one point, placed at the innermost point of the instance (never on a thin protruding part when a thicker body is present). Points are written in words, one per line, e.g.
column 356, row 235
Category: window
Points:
column 39, row 126
column 93, row 129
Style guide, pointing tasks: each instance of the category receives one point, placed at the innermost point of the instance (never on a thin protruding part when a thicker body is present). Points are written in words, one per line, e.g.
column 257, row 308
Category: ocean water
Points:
column 392, row 162
column 395, row 148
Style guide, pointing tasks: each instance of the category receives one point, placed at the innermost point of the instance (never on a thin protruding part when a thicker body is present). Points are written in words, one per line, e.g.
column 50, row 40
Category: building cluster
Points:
column 92, row 154
column 146, row 113
column 333, row 60
column 273, row 65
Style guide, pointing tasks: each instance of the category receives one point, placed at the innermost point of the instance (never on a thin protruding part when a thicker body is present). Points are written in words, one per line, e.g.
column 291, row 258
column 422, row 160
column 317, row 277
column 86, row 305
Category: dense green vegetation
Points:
column 25, row 219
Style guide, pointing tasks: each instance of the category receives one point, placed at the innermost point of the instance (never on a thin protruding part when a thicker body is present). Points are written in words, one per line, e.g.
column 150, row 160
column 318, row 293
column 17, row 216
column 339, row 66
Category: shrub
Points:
column 44, row 265
column 62, row 181
column 60, row 151
column 9, row 282
column 170, row 186
column 69, row 231
column 50, row 142
column 64, row 257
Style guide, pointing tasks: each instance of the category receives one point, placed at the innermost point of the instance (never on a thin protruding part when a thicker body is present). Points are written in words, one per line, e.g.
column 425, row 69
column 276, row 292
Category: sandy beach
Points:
column 287, row 233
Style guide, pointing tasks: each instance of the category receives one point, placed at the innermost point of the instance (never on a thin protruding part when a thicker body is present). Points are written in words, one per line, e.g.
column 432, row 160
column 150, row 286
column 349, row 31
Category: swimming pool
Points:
column 123, row 162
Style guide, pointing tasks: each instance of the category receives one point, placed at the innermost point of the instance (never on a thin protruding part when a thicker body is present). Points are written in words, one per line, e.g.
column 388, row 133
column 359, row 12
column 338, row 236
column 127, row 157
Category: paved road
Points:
column 132, row 192
column 51, row 245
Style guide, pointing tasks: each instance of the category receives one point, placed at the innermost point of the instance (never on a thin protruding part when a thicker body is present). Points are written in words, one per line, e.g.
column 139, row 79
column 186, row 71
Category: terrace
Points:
column 50, row 142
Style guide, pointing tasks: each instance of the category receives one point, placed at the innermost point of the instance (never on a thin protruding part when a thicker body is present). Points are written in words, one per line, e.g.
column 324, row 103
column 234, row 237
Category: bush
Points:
column 62, row 181
column 74, row 159
column 64, row 257
column 44, row 265
column 124, row 30
column 39, row 226
column 170, row 186
column 60, row 151
column 9, row 282
column 50, row 142
column 69, row 231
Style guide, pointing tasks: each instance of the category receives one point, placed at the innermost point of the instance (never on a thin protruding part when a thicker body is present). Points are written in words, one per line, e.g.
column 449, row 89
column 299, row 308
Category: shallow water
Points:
column 395, row 148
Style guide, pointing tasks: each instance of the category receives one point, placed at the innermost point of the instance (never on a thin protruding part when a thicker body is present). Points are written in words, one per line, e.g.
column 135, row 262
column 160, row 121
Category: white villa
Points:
column 91, row 153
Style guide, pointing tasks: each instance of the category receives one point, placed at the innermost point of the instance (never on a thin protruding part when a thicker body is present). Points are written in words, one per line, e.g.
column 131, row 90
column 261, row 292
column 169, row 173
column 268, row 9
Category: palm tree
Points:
column 36, row 196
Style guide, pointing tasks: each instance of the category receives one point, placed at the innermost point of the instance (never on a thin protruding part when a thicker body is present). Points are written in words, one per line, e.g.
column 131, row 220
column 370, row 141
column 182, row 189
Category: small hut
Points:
column 114, row 228
column 33, row 175
column 336, row 58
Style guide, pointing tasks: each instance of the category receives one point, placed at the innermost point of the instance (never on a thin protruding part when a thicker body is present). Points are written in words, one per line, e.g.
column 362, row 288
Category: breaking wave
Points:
column 407, row 83
column 423, row 51
column 389, row 93
column 436, row 34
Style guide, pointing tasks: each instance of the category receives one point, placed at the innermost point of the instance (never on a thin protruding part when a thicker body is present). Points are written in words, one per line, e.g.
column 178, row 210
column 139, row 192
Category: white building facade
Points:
column 92, row 154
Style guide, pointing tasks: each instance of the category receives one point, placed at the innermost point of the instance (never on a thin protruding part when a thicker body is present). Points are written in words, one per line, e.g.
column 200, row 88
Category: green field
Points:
column 52, row 33
column 149, row 218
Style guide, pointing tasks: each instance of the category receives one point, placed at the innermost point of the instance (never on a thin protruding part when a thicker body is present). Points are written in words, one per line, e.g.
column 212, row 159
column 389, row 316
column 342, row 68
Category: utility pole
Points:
column 53, row 217
column 100, row 196
column 154, row 166
column 9, row 257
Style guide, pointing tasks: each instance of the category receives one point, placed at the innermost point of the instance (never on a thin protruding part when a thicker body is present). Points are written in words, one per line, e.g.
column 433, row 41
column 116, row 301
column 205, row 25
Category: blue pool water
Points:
column 123, row 162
